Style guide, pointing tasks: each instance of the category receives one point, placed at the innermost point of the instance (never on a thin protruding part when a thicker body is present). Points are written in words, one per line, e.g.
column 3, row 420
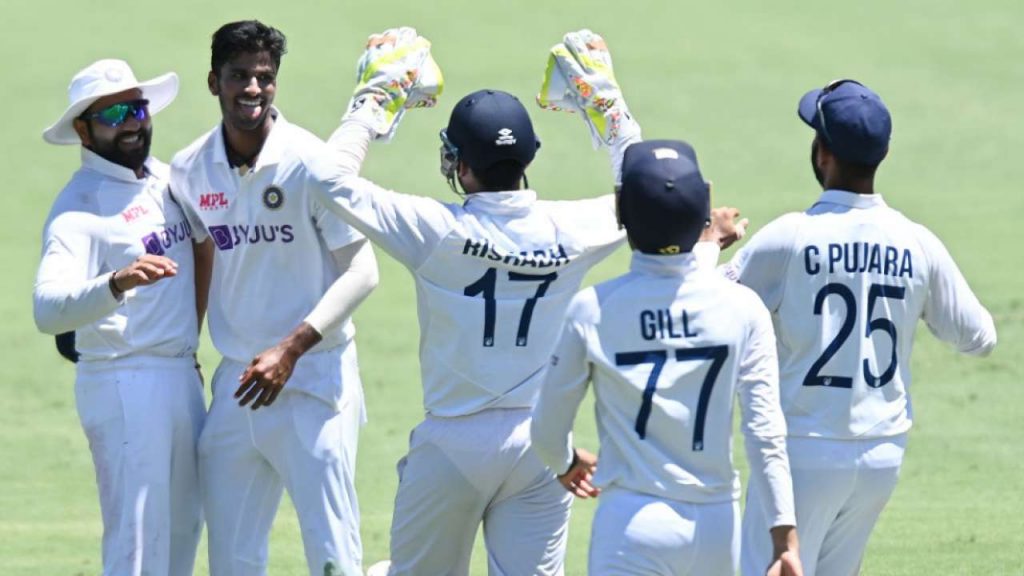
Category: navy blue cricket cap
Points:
column 851, row 119
column 489, row 126
column 664, row 202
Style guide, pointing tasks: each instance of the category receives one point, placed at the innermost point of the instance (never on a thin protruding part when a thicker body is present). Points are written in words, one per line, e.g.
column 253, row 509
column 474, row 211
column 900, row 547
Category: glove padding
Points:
column 395, row 73
column 579, row 78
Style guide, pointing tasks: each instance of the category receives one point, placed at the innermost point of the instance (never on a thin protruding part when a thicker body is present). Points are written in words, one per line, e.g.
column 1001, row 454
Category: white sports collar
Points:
column 270, row 153
column 674, row 265
column 852, row 199
column 509, row 202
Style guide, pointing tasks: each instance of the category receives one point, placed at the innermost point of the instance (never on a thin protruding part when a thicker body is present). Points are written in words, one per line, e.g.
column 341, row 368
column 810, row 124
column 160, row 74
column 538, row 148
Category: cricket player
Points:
column 846, row 282
column 117, row 270
column 286, row 277
column 667, row 346
column 493, row 277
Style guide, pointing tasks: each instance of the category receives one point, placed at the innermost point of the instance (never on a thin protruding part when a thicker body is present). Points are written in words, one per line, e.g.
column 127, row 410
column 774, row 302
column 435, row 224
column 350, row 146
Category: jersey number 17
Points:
column 486, row 285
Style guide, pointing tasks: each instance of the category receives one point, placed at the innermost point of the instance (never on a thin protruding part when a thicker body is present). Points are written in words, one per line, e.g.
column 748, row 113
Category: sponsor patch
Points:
column 226, row 237
column 134, row 212
column 159, row 242
column 213, row 201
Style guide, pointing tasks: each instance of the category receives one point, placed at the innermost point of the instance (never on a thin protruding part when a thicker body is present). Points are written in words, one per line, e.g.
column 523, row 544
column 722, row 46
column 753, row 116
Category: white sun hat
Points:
column 103, row 78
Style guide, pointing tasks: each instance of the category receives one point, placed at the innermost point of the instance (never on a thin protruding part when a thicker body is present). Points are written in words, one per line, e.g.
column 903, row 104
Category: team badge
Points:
column 273, row 197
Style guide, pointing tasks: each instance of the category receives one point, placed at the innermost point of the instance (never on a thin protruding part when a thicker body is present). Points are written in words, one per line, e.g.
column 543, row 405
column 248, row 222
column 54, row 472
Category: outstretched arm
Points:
column 405, row 226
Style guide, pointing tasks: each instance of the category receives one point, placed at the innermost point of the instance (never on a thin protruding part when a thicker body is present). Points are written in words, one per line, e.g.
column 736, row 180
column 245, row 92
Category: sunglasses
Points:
column 828, row 89
column 117, row 114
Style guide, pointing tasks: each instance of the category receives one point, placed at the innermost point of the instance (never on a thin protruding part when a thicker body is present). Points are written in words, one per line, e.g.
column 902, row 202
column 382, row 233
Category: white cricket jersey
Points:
column 493, row 276
column 272, row 237
column 847, row 281
column 668, row 346
column 101, row 221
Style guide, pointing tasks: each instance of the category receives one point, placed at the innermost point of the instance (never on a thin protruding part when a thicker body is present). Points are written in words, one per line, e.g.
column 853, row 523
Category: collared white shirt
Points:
column 493, row 276
column 668, row 346
column 273, row 240
column 103, row 219
column 847, row 281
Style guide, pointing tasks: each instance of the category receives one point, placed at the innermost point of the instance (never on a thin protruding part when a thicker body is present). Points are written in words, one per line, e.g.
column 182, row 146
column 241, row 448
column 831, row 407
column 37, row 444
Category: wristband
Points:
column 117, row 292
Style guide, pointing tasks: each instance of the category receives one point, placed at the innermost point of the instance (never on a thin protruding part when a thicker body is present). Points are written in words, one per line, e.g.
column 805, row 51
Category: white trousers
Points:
column 300, row 443
column 462, row 471
column 142, row 417
column 839, row 488
column 640, row 534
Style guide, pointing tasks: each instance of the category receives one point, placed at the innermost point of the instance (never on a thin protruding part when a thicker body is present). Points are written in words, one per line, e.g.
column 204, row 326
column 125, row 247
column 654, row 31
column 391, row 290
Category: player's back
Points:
column 847, row 281
column 666, row 342
column 493, row 292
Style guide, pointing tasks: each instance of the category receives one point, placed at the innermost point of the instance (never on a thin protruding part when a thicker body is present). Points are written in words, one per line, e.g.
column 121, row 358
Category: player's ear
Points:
column 82, row 129
column 211, row 83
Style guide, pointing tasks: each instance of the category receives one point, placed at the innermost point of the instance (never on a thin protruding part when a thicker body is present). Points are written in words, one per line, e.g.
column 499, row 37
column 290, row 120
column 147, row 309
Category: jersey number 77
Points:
column 658, row 358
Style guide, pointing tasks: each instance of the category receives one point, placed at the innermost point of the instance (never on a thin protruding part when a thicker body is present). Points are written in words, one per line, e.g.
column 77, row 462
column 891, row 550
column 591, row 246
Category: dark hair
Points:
column 500, row 176
column 246, row 36
column 850, row 170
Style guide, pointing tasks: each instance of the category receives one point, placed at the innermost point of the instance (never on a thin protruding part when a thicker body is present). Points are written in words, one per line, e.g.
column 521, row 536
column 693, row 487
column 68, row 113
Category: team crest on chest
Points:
column 273, row 197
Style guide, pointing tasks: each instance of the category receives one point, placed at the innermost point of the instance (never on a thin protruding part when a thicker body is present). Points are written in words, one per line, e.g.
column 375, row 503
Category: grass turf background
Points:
column 724, row 75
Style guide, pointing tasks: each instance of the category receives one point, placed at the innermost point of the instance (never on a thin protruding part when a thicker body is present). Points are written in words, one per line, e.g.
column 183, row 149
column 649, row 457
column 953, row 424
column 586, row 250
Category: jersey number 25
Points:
column 876, row 291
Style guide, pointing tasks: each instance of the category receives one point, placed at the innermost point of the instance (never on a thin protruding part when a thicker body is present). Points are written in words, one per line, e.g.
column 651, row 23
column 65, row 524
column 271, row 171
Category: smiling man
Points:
column 286, row 277
column 117, row 269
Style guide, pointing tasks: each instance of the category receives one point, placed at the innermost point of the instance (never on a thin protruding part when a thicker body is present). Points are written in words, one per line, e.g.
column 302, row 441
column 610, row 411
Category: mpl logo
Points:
column 212, row 201
column 134, row 212
column 159, row 242
column 226, row 237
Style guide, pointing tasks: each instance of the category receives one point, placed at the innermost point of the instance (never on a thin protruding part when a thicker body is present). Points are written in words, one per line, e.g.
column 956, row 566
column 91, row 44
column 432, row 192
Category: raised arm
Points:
column 396, row 72
column 580, row 79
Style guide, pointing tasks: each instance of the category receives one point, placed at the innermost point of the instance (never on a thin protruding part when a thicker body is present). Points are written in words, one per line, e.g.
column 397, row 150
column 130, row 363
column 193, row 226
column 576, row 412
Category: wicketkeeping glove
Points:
column 579, row 78
column 395, row 73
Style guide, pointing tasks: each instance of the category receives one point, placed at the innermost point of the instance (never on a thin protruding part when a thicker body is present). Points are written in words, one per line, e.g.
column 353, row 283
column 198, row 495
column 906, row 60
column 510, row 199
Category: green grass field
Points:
column 724, row 75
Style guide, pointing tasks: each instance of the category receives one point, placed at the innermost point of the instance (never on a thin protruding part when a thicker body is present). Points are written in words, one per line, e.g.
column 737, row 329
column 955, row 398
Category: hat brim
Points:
column 160, row 92
column 808, row 108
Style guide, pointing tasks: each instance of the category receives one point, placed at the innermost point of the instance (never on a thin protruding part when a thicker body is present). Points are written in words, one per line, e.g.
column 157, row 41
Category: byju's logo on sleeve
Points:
column 152, row 244
column 159, row 242
column 226, row 237
column 222, row 237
